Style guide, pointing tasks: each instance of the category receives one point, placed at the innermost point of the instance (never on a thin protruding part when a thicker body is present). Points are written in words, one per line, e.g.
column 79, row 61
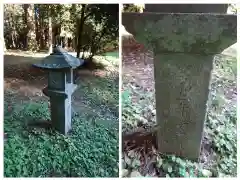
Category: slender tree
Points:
column 50, row 29
column 29, row 18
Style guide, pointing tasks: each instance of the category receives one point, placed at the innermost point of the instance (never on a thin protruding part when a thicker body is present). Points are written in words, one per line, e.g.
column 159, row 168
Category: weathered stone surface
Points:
column 60, row 87
column 186, row 8
column 61, row 108
column 59, row 60
column 56, row 80
column 61, row 114
column 184, row 46
column 182, row 33
column 181, row 86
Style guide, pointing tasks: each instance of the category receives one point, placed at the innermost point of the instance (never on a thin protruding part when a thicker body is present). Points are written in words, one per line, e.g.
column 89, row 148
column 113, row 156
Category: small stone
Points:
column 135, row 174
column 124, row 173
column 206, row 173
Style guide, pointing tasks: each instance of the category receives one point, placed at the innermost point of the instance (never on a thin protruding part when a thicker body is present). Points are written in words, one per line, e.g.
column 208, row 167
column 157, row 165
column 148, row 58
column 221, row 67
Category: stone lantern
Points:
column 59, row 66
column 184, row 40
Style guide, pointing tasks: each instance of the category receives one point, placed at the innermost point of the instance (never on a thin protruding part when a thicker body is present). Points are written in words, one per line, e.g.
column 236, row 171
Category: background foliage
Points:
column 88, row 28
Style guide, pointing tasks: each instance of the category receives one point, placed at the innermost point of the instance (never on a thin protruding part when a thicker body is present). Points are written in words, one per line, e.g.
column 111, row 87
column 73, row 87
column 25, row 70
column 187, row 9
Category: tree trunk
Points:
column 74, row 17
column 80, row 29
column 41, row 28
column 13, row 33
column 95, row 47
column 37, row 25
column 30, row 29
column 50, row 30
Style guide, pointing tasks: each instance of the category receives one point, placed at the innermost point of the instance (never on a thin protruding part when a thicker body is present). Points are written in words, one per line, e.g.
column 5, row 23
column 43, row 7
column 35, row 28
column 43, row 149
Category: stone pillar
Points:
column 181, row 87
column 61, row 112
column 60, row 89
column 184, row 47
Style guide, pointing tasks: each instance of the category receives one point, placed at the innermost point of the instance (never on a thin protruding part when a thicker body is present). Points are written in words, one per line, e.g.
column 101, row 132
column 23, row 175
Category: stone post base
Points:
column 182, row 86
column 61, row 108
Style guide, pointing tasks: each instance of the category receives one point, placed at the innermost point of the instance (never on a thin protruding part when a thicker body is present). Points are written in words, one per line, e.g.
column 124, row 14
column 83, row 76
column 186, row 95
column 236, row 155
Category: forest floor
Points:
column 89, row 150
column 218, row 156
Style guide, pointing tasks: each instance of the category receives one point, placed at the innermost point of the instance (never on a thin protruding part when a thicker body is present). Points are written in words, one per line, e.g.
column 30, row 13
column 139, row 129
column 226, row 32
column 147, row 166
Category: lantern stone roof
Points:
column 59, row 59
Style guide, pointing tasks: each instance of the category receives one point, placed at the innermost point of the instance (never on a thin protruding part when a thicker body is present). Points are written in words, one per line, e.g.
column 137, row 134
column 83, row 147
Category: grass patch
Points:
column 91, row 149
column 101, row 92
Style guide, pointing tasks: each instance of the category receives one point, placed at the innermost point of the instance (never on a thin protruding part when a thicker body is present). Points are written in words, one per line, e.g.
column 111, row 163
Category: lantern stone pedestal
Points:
column 60, row 87
column 184, row 46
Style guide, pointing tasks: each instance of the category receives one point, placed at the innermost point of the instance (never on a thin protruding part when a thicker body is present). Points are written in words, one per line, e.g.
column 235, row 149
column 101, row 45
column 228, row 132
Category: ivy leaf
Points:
column 170, row 169
column 206, row 173
column 136, row 163
column 159, row 162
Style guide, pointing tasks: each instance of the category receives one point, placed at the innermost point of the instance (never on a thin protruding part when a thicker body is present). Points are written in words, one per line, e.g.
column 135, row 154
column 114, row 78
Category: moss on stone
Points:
column 194, row 33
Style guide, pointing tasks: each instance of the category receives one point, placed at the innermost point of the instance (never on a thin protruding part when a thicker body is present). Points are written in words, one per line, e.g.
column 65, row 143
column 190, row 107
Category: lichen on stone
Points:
column 197, row 33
